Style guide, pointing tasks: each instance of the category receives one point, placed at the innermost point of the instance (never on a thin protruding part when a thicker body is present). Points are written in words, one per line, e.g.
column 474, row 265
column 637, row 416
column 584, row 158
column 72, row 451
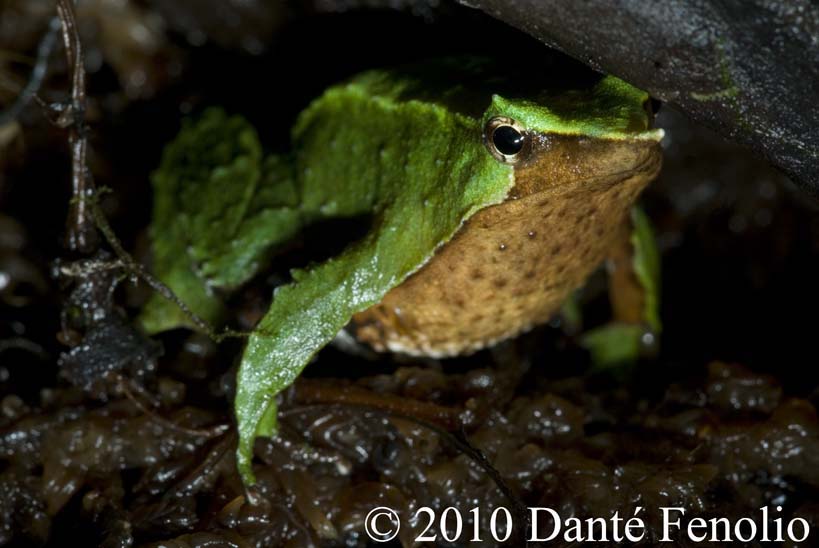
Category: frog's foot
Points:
column 634, row 281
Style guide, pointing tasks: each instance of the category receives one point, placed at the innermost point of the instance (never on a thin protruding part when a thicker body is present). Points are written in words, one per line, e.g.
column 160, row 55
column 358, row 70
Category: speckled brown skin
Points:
column 511, row 266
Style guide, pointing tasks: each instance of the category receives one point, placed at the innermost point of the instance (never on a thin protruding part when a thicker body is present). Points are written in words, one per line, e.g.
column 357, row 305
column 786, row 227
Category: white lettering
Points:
column 573, row 527
column 738, row 529
column 635, row 523
column 697, row 523
column 726, row 529
column 533, row 512
column 666, row 510
column 805, row 530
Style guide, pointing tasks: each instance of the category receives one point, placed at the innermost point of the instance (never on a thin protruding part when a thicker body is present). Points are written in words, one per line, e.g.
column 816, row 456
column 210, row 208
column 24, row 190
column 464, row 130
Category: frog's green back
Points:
column 566, row 102
column 366, row 143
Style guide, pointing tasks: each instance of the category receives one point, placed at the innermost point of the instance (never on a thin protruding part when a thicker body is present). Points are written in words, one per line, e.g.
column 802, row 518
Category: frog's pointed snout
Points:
column 628, row 159
column 639, row 155
column 567, row 162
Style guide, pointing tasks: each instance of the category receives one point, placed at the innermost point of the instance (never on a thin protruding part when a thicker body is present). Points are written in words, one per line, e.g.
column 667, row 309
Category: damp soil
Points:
column 110, row 438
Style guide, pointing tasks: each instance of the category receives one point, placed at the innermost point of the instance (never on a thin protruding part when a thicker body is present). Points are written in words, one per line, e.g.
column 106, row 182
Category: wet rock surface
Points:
column 746, row 69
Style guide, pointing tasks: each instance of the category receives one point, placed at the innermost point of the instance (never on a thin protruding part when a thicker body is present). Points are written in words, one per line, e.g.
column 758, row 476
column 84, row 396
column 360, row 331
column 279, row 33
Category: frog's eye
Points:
column 505, row 139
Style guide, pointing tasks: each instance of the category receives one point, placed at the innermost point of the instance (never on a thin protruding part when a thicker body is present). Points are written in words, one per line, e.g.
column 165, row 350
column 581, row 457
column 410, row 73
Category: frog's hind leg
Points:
column 626, row 293
column 633, row 267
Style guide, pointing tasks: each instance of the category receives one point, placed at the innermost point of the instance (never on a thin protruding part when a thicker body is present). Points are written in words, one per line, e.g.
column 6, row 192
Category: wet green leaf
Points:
column 218, row 209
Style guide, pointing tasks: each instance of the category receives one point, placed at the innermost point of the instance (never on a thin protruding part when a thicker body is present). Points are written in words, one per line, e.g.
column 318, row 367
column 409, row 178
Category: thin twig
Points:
column 137, row 269
column 80, row 233
column 211, row 432
column 307, row 391
column 38, row 72
column 85, row 217
column 20, row 343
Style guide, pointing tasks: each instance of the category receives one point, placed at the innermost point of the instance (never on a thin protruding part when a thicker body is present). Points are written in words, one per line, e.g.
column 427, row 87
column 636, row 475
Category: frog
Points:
column 491, row 195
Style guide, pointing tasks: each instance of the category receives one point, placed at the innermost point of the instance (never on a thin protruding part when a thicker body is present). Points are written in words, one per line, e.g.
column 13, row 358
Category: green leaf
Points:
column 218, row 210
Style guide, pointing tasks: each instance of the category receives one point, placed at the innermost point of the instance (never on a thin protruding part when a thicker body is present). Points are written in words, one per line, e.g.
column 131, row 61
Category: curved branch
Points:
column 35, row 80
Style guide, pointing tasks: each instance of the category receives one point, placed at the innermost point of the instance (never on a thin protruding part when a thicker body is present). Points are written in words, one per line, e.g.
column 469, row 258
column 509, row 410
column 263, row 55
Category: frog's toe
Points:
column 618, row 344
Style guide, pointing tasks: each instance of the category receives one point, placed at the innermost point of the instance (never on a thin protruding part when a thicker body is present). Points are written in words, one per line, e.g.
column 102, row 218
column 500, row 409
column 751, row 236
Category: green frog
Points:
column 491, row 194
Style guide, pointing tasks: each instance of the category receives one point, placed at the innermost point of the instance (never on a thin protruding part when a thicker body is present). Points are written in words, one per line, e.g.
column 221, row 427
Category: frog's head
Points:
column 579, row 140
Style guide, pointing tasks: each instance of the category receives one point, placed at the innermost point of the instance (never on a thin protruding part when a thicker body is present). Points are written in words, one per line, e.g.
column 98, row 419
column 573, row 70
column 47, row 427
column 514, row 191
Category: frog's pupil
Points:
column 507, row 140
